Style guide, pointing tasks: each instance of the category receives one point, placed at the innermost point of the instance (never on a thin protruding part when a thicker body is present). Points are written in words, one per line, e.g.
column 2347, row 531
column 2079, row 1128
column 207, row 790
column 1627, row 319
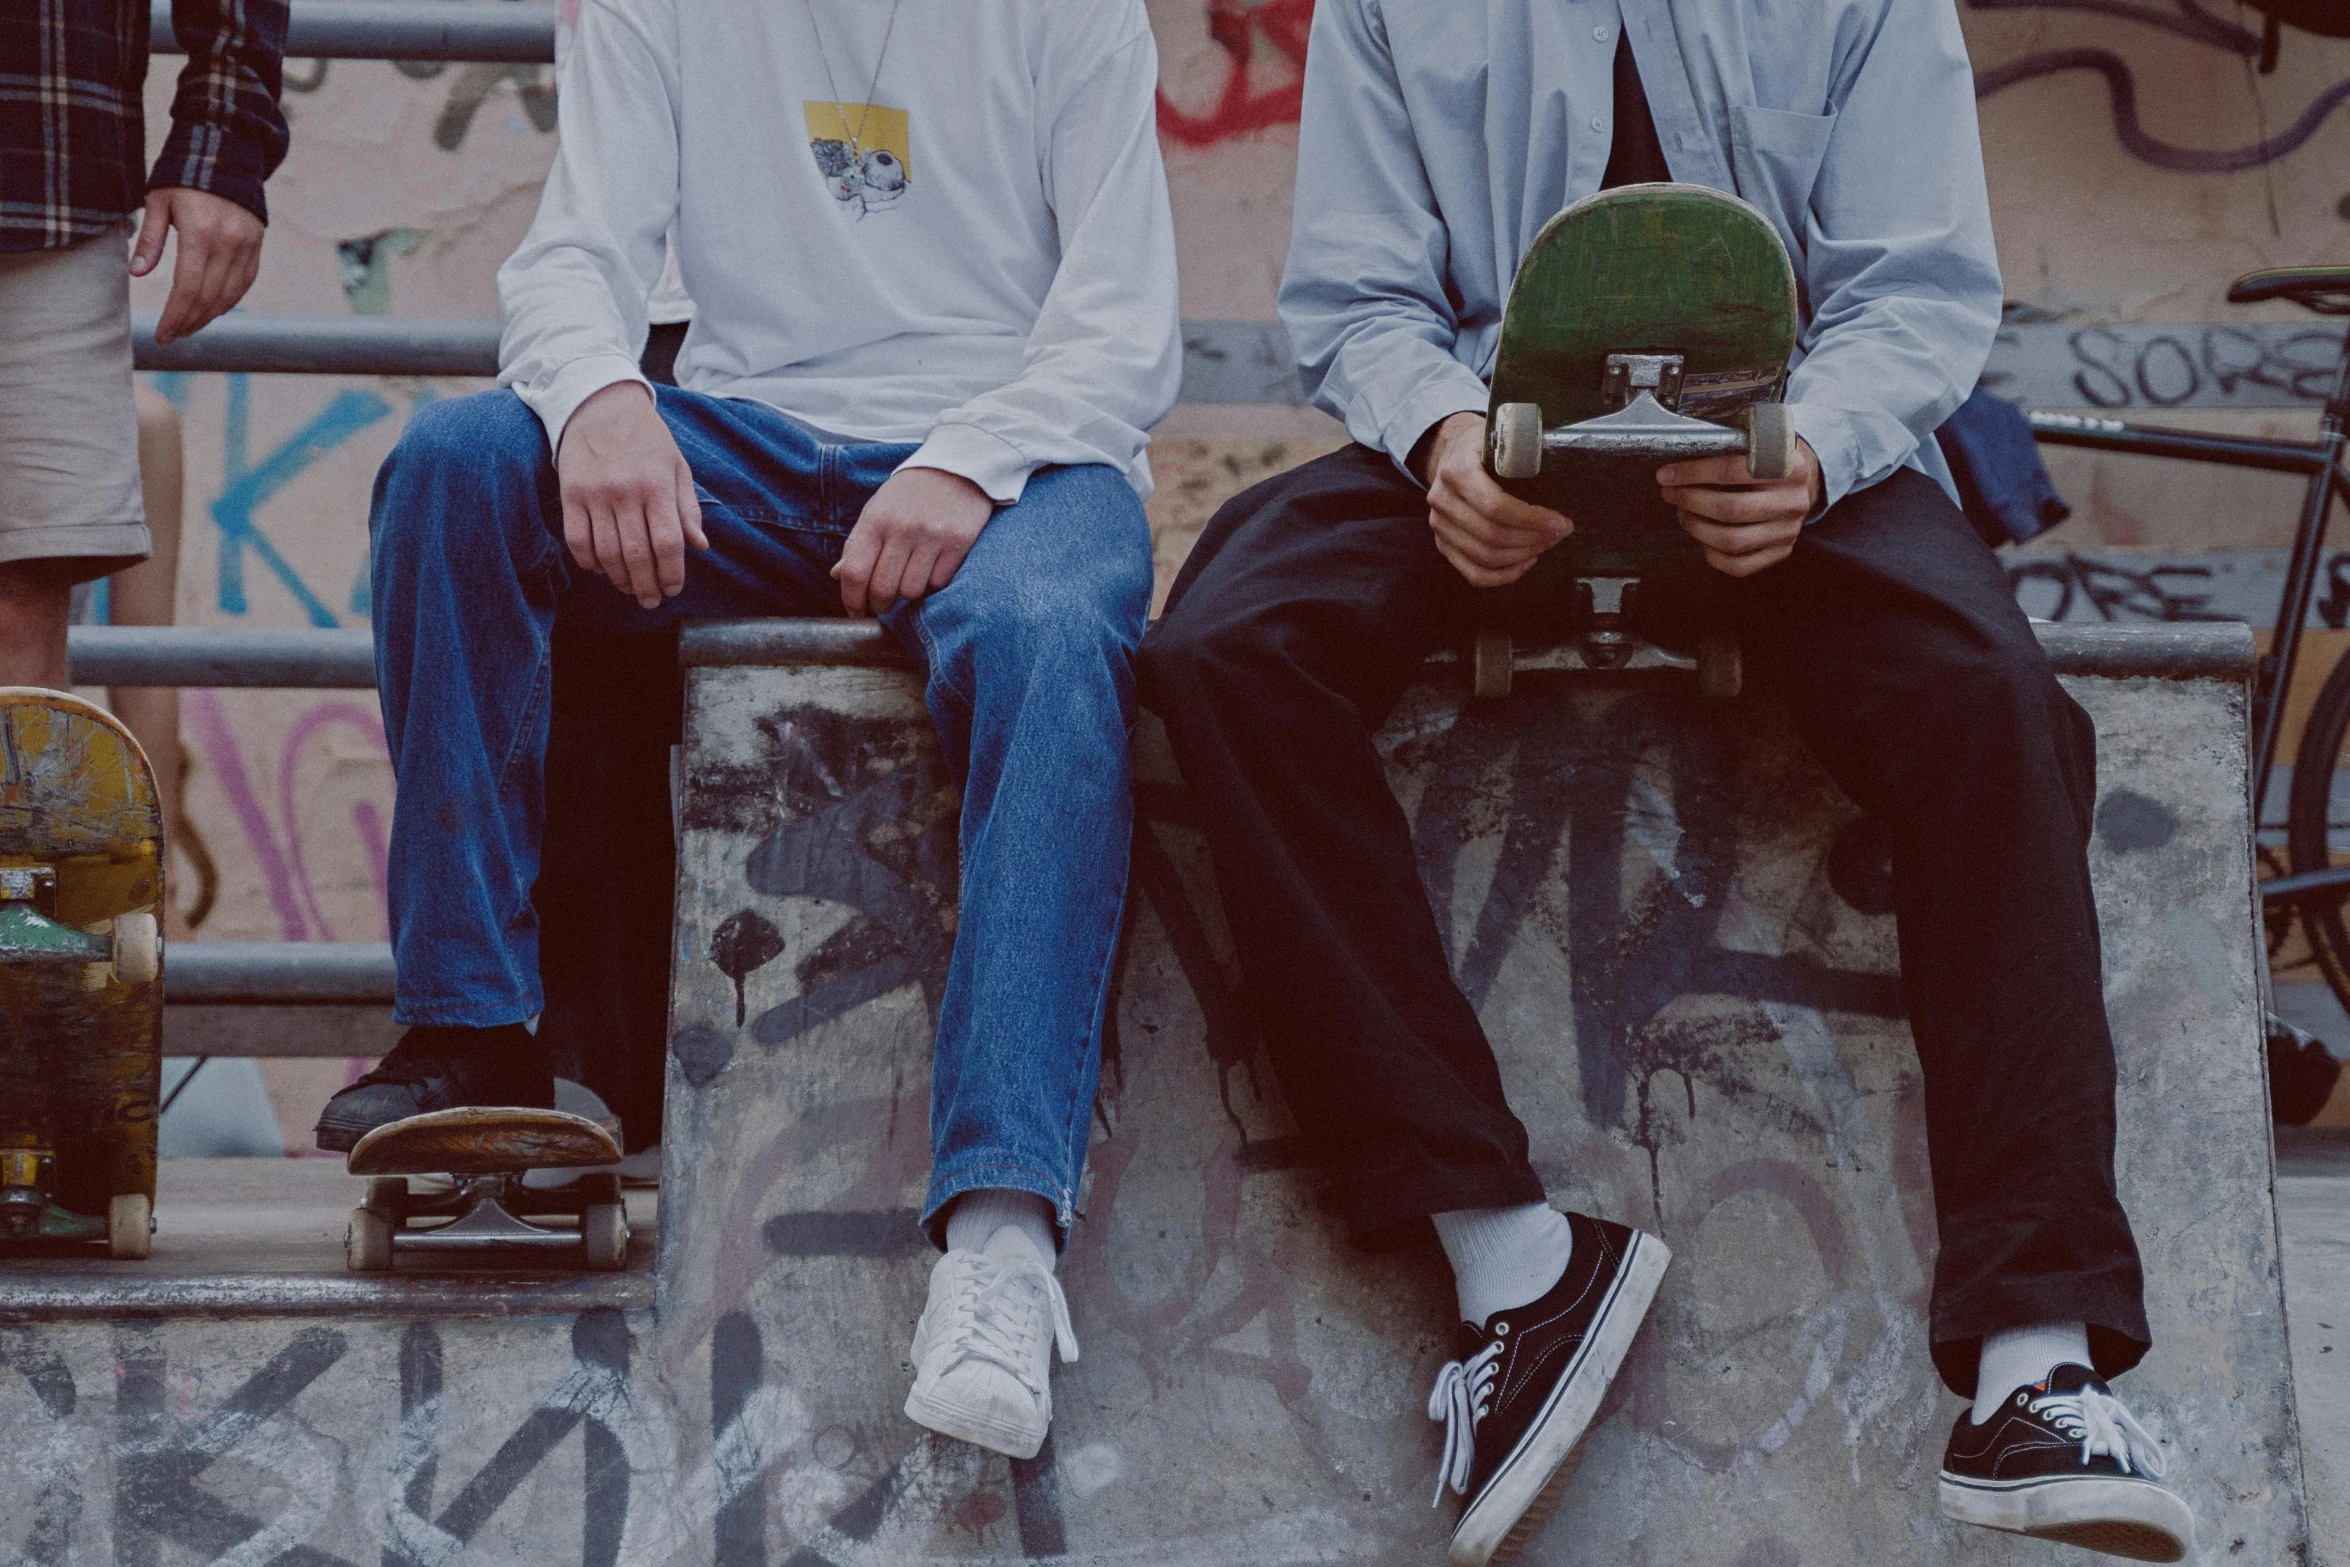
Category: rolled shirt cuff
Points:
column 574, row 384
column 232, row 169
column 1828, row 432
column 986, row 459
column 1451, row 390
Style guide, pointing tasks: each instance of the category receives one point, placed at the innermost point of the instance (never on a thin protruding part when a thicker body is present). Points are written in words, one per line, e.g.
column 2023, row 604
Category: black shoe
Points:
column 2063, row 1460
column 441, row 1069
column 1529, row 1381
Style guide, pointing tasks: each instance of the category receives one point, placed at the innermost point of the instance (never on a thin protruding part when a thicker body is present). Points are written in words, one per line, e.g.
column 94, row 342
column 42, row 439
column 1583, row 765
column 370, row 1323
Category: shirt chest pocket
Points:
column 1775, row 157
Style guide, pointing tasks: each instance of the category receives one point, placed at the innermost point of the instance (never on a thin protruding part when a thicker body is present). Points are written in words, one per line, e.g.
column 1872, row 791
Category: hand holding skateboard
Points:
column 1491, row 537
column 1648, row 330
column 1746, row 524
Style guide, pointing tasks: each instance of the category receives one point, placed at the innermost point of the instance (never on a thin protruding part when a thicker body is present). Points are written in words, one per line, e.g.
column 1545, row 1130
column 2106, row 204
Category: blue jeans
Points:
column 471, row 574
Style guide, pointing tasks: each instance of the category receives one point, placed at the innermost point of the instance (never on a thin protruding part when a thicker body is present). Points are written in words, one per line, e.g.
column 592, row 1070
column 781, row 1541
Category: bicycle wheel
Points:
column 2310, row 818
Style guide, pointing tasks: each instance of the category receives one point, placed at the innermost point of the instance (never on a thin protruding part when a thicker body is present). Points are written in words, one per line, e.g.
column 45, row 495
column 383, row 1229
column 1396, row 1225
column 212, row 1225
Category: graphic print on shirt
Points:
column 862, row 150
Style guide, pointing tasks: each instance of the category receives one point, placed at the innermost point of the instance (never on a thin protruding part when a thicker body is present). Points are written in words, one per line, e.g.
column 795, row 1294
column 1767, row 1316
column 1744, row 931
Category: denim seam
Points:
column 942, row 671
column 539, row 694
column 1106, row 968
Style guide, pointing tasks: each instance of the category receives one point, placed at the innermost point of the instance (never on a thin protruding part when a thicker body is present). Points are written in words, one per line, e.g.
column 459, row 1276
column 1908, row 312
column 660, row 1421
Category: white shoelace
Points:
column 992, row 1318
column 1462, row 1396
column 2100, row 1423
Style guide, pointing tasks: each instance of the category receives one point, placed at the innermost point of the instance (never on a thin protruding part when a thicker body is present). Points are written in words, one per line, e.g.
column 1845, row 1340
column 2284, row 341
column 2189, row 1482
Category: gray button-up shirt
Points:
column 1439, row 136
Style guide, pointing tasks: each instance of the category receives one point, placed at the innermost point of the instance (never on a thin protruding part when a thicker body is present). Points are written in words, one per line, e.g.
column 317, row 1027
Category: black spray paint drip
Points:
column 743, row 942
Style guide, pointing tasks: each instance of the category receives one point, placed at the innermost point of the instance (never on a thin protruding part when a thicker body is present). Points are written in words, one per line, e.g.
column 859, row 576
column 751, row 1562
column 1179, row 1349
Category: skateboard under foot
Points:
column 488, row 1207
column 81, row 976
column 1647, row 324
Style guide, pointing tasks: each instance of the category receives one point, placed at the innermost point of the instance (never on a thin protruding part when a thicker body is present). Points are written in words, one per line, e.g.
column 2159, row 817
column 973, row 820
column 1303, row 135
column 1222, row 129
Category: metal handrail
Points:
column 324, row 345
column 518, row 31
column 304, row 659
column 279, row 973
column 521, row 32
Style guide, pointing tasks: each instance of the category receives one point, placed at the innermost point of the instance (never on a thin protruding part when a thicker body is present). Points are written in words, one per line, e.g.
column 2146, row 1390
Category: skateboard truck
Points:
column 1606, row 646
column 489, row 1207
column 1645, row 391
column 27, row 935
column 28, row 1175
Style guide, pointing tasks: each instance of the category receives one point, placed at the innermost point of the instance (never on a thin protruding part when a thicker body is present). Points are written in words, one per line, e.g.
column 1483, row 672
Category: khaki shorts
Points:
column 69, row 435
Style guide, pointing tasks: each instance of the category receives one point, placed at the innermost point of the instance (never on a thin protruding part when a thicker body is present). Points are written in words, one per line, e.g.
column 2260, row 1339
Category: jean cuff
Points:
column 981, row 1174
column 466, row 1014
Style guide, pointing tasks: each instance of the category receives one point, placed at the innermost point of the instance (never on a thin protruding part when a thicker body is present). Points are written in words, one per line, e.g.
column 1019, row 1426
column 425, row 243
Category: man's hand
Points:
column 220, row 253
column 628, row 497
column 1491, row 537
column 1746, row 524
column 910, row 539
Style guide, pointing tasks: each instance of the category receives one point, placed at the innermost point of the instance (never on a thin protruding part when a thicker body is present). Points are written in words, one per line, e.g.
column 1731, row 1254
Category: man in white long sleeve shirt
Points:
column 929, row 251
column 1437, row 140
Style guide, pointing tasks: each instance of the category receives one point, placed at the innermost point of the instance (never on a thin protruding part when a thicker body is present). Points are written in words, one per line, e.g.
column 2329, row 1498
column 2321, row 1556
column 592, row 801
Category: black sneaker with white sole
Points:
column 2063, row 1460
column 1528, row 1383
column 441, row 1069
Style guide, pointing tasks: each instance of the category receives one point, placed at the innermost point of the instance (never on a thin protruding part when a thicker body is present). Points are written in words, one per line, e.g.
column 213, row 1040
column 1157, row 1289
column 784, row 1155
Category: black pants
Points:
column 1893, row 640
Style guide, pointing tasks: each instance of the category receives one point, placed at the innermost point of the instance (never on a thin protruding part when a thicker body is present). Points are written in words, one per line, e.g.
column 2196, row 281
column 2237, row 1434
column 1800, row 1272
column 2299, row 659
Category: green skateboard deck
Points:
column 1647, row 323
column 81, row 976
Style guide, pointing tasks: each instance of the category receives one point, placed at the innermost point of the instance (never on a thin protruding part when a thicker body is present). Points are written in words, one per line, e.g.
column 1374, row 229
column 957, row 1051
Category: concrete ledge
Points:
column 2208, row 650
column 2213, row 650
column 263, row 1238
column 115, row 1296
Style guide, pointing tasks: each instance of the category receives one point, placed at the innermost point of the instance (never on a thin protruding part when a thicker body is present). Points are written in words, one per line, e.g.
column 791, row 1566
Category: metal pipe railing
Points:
column 279, row 973
column 324, row 345
column 221, row 656
column 519, row 31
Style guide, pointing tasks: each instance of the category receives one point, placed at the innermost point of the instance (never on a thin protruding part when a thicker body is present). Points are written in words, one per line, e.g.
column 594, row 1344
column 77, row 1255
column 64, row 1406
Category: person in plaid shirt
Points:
column 72, row 175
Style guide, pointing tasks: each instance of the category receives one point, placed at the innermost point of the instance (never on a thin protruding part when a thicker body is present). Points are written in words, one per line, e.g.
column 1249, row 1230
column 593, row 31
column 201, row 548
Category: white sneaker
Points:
column 983, row 1349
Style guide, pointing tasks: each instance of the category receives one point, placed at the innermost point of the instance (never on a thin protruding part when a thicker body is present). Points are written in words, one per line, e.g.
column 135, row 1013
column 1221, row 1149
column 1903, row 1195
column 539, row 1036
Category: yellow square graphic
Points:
column 872, row 126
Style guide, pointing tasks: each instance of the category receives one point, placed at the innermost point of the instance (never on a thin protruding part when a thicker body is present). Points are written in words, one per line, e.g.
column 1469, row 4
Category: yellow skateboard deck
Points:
column 81, row 975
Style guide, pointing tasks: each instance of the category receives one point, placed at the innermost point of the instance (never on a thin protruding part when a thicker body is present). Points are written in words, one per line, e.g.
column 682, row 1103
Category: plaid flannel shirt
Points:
column 73, row 135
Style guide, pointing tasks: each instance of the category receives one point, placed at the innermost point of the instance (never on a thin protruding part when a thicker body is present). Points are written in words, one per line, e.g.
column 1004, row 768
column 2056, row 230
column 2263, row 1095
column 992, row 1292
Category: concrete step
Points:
column 1251, row 1386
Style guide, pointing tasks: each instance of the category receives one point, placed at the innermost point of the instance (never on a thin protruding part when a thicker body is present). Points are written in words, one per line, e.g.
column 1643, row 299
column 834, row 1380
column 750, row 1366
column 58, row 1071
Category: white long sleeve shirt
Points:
column 1438, row 137
column 970, row 248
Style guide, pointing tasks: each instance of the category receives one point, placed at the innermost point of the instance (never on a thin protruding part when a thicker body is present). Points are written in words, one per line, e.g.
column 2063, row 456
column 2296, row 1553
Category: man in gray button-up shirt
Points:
column 1438, row 137
column 1858, row 144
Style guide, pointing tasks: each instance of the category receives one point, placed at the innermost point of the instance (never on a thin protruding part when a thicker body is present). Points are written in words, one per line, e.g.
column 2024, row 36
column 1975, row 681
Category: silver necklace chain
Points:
column 856, row 138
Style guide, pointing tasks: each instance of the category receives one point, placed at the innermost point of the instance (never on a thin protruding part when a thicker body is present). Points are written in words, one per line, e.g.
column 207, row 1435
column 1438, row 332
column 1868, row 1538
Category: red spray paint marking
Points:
column 1235, row 25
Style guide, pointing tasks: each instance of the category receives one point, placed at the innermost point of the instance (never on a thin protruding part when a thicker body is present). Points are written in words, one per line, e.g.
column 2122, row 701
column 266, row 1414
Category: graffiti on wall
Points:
column 1255, row 35
column 2187, row 20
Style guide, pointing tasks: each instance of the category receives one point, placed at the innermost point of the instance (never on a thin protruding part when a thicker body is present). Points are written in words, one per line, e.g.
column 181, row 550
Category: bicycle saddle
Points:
column 2325, row 290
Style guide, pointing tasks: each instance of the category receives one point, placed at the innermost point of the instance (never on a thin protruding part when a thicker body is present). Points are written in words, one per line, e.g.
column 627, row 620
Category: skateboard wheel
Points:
column 1489, row 663
column 367, row 1243
column 1517, row 441
column 603, row 1231
column 598, row 1186
column 1721, row 671
column 1770, row 440
column 130, row 1226
column 138, row 949
column 386, row 1194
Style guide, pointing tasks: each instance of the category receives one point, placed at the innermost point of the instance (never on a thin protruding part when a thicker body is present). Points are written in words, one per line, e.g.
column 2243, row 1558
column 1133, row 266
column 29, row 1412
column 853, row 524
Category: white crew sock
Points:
column 1504, row 1257
column 2021, row 1356
column 977, row 1218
